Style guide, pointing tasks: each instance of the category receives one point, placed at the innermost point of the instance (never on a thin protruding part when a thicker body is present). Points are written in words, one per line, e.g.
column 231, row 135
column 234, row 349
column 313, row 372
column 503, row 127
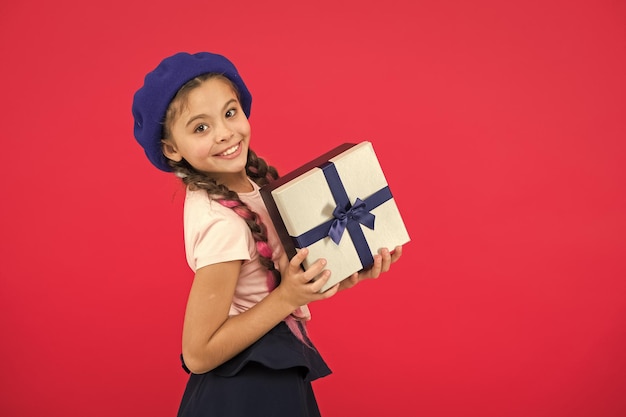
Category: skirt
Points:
column 270, row 378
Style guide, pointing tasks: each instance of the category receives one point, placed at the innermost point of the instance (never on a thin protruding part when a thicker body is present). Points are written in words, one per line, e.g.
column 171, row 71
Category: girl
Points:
column 244, row 340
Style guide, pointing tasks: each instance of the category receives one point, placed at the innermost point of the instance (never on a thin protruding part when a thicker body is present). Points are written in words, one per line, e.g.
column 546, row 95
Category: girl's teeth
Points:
column 230, row 151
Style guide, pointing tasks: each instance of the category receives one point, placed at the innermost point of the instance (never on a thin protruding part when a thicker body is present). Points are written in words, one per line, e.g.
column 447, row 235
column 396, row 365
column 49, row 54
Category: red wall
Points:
column 500, row 126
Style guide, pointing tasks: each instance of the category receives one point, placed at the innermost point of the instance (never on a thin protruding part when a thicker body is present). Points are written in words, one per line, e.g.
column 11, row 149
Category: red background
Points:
column 500, row 126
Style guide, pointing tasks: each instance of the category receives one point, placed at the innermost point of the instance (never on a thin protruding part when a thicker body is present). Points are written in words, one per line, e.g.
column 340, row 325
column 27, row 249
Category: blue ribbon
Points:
column 358, row 213
column 346, row 216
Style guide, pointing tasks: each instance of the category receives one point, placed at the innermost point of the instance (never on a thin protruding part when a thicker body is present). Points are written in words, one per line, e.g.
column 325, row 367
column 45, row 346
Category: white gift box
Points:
column 340, row 207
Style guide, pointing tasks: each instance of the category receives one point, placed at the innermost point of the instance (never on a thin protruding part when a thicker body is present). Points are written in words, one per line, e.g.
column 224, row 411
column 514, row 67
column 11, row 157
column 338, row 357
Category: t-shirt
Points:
column 214, row 233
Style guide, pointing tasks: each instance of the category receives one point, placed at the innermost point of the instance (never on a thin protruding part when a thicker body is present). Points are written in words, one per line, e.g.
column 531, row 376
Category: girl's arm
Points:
column 211, row 337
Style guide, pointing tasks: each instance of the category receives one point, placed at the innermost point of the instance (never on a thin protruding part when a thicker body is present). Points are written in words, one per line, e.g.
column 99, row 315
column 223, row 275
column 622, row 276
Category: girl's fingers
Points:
column 315, row 270
column 349, row 282
column 353, row 279
column 315, row 277
column 312, row 271
column 331, row 291
column 396, row 254
column 386, row 260
column 376, row 268
column 283, row 263
column 389, row 257
column 299, row 257
column 321, row 280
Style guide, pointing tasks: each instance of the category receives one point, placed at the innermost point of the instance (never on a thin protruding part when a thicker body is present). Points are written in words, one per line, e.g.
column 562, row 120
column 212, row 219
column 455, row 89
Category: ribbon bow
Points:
column 357, row 213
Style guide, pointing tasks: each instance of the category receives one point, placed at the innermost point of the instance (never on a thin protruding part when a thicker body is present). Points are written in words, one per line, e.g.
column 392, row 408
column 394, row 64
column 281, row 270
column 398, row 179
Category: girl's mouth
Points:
column 231, row 151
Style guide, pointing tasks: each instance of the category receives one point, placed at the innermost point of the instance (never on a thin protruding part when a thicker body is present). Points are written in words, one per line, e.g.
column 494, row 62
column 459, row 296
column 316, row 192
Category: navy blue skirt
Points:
column 270, row 378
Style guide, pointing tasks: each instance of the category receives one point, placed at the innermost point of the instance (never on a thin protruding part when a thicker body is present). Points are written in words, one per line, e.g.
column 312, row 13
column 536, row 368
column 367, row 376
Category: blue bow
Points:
column 357, row 213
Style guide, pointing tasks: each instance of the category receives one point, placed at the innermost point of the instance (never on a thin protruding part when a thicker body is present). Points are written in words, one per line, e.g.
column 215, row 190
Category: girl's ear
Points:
column 170, row 150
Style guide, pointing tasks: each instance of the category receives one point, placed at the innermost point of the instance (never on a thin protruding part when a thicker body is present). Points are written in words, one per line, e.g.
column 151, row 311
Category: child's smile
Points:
column 231, row 152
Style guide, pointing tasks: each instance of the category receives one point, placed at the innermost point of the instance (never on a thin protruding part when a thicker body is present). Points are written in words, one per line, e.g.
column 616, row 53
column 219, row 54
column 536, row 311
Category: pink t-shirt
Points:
column 214, row 233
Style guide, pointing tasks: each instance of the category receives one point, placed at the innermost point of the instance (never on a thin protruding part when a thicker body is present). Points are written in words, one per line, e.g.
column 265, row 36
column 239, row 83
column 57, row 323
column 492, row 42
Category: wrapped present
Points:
column 340, row 207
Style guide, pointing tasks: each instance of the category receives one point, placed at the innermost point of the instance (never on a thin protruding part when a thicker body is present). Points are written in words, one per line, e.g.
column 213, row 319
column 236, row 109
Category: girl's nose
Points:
column 224, row 134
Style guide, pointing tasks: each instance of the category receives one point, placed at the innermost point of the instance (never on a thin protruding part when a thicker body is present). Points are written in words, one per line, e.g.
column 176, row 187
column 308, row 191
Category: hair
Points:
column 256, row 168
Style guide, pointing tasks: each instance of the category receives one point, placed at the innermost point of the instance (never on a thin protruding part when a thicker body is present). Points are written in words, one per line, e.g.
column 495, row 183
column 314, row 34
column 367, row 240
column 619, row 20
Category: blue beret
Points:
column 161, row 85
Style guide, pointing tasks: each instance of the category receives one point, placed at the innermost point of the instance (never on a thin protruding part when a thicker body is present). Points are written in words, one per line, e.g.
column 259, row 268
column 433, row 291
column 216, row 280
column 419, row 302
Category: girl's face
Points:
column 211, row 133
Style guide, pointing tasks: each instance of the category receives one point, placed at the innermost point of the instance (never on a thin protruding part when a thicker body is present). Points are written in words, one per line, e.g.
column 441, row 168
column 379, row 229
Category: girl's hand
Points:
column 301, row 287
column 382, row 263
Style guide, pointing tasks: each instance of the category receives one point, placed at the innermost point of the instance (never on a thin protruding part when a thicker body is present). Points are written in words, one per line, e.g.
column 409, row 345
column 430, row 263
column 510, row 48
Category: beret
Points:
column 151, row 101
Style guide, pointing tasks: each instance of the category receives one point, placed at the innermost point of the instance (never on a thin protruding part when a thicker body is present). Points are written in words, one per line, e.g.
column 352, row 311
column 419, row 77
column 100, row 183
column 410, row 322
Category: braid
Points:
column 261, row 173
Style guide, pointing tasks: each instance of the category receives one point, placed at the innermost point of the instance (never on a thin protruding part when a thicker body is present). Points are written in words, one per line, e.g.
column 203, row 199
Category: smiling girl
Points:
column 244, row 338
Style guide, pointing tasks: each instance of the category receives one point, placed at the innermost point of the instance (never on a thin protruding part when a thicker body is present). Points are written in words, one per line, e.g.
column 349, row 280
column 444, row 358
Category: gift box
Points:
column 340, row 207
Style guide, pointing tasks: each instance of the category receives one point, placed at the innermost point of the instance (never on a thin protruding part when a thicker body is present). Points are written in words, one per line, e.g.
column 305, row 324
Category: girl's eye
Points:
column 231, row 113
column 201, row 128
